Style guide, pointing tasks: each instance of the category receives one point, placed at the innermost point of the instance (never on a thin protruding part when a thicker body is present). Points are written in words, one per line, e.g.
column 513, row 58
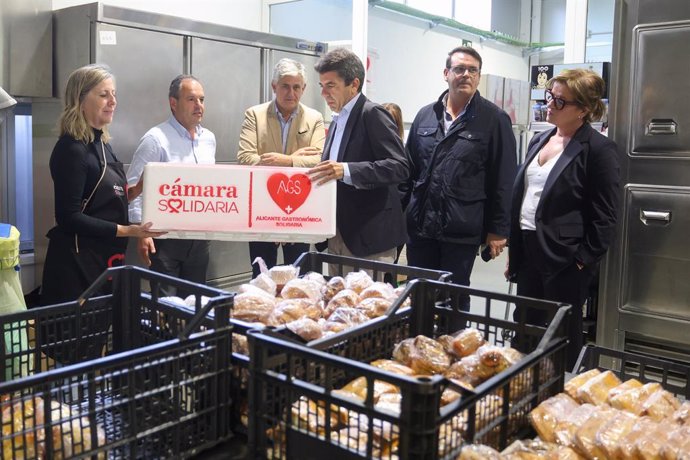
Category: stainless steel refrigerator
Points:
column 645, row 286
column 146, row 51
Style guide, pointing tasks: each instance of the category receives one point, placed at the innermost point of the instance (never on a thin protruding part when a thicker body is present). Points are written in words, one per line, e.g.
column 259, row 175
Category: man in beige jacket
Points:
column 282, row 132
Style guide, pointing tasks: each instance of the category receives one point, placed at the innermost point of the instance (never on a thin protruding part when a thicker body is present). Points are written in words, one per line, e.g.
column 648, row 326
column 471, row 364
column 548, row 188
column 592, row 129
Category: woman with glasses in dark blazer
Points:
column 565, row 202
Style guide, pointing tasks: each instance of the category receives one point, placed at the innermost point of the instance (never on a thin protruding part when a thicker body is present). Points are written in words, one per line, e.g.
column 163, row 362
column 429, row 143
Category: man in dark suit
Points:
column 364, row 153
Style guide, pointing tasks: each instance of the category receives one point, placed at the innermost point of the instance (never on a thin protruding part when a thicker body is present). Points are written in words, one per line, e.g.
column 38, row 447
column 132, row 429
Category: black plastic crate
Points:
column 673, row 376
column 319, row 262
column 126, row 374
column 286, row 374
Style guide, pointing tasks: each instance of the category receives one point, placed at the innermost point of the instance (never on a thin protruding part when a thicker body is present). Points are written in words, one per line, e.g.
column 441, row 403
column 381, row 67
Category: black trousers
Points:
column 569, row 285
column 185, row 259
column 452, row 257
column 269, row 252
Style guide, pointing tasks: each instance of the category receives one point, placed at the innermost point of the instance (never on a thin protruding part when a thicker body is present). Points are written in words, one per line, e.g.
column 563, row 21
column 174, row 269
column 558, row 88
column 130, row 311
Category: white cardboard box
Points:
column 237, row 203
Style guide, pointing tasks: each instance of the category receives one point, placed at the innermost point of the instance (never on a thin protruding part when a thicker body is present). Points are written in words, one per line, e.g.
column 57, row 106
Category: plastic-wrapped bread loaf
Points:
column 610, row 434
column 650, row 443
column 252, row 308
column 586, row 435
column 253, row 289
column 470, row 370
column 344, row 298
column 289, row 310
column 265, row 282
column 498, row 358
column 281, row 274
column 677, row 445
column 300, row 288
column 378, row 289
column 633, row 399
column 596, row 390
column 358, row 281
column 423, row 355
column 568, row 426
column 344, row 318
column 332, row 287
column 374, row 307
column 547, row 415
column 572, row 385
column 306, row 328
column 682, row 415
column 626, row 448
column 467, row 342
column 316, row 277
column 660, row 405
column 629, row 384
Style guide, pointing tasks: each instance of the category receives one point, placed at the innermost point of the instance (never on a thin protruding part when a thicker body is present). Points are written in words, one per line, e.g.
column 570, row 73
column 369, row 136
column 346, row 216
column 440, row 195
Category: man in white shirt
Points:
column 180, row 139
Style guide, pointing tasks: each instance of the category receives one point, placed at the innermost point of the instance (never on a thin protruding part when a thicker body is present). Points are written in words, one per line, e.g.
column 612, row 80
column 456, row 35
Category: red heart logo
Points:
column 174, row 205
column 289, row 193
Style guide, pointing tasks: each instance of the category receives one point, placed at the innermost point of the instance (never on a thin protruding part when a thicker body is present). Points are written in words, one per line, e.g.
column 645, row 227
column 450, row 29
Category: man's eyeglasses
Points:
column 461, row 69
column 558, row 103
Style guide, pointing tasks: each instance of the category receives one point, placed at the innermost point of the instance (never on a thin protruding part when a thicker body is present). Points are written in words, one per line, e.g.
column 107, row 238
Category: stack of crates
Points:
column 124, row 373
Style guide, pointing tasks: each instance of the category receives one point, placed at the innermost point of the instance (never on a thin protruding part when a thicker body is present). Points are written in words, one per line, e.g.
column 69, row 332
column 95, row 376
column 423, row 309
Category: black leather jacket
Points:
column 460, row 186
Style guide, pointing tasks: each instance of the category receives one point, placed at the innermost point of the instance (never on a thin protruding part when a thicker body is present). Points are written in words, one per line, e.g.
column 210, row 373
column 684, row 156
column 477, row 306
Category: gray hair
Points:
column 174, row 90
column 288, row 67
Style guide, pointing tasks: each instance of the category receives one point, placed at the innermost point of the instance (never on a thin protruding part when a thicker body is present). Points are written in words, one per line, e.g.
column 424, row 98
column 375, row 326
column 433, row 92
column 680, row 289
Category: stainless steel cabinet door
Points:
column 656, row 253
column 231, row 75
column 144, row 63
column 660, row 119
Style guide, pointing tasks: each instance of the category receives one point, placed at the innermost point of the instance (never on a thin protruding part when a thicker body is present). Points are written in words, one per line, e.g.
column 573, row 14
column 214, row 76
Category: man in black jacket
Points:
column 463, row 154
column 364, row 153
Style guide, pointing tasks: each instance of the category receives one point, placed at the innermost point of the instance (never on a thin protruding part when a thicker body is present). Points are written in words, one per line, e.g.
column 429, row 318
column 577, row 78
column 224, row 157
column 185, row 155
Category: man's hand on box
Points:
column 275, row 159
column 326, row 171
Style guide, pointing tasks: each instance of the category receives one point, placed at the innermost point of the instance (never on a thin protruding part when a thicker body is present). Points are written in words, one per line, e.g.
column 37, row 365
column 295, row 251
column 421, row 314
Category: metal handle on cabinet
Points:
column 657, row 217
column 661, row 126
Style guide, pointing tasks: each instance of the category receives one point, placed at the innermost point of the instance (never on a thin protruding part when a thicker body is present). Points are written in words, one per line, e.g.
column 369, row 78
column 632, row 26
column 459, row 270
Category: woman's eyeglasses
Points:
column 558, row 103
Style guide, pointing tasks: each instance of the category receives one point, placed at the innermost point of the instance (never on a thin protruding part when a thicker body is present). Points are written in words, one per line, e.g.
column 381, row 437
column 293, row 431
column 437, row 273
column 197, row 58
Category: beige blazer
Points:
column 261, row 134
